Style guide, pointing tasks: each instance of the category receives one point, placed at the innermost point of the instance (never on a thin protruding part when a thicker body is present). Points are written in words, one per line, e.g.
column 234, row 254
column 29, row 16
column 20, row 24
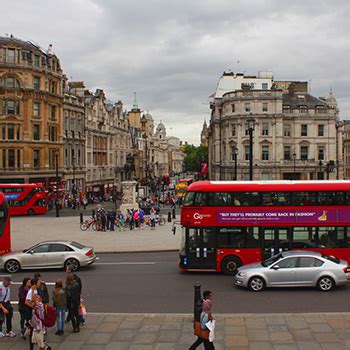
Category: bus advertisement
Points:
column 5, row 238
column 25, row 199
column 229, row 224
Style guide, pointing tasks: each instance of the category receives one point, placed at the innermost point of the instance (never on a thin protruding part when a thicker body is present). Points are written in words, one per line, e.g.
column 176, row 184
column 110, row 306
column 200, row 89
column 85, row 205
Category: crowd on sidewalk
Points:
column 36, row 311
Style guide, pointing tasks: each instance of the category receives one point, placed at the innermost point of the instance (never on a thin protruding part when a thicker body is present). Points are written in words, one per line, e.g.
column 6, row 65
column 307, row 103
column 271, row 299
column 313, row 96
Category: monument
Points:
column 129, row 196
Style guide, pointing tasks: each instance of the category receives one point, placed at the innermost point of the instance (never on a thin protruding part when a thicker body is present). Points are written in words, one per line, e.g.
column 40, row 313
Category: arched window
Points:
column 10, row 83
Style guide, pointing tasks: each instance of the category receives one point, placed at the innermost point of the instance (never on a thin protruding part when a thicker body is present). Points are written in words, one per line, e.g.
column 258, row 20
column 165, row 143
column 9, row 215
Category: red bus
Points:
column 5, row 238
column 228, row 224
column 25, row 199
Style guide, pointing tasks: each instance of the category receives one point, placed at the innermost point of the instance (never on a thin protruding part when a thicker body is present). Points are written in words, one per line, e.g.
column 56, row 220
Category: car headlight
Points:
column 241, row 274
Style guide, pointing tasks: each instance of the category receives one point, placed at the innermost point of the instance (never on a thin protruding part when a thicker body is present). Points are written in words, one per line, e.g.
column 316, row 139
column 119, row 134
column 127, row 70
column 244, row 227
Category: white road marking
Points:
column 128, row 263
column 47, row 283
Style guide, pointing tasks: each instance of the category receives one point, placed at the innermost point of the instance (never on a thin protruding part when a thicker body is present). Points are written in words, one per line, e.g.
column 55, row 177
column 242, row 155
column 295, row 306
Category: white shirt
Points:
column 5, row 293
column 29, row 294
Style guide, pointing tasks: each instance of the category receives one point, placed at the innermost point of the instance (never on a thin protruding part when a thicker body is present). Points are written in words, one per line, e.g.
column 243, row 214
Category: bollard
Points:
column 174, row 215
column 169, row 216
column 81, row 218
column 93, row 213
column 197, row 309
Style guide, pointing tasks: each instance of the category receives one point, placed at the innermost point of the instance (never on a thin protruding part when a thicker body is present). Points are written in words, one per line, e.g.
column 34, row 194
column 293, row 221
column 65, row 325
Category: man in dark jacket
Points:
column 73, row 302
column 42, row 289
column 69, row 271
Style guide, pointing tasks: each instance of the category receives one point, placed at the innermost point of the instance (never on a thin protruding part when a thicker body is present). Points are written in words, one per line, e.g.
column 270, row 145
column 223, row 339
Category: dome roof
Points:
column 147, row 116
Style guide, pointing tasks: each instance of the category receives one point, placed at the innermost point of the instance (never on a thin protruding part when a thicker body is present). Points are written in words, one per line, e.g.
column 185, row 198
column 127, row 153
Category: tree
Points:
column 194, row 156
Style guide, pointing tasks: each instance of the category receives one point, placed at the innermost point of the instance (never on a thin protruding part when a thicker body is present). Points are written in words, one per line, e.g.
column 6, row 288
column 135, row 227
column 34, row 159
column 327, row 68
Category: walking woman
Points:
column 73, row 301
column 24, row 310
column 59, row 301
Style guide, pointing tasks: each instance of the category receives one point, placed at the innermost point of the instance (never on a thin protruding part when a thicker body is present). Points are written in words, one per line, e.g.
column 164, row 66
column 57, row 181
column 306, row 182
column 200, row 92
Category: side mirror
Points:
column 275, row 267
column 31, row 252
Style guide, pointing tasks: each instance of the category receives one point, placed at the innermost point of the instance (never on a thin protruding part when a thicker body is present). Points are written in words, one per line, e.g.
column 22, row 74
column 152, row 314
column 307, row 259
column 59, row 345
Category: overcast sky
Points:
column 173, row 52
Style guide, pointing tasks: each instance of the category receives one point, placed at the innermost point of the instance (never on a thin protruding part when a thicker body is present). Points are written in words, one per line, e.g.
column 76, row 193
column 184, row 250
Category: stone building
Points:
column 346, row 149
column 31, row 99
column 296, row 135
column 73, row 138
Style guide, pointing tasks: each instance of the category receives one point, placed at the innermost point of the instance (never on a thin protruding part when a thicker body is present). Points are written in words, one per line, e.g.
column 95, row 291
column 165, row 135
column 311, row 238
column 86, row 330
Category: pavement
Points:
column 327, row 331
column 29, row 230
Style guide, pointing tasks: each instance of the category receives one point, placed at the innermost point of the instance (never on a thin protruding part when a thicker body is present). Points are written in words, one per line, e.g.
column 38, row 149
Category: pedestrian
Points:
column 73, row 302
column 152, row 215
column 205, row 317
column 6, row 310
column 131, row 219
column 37, row 324
column 103, row 219
column 108, row 219
column 24, row 310
column 111, row 220
column 136, row 218
column 59, row 301
column 141, row 217
column 69, row 271
column 42, row 289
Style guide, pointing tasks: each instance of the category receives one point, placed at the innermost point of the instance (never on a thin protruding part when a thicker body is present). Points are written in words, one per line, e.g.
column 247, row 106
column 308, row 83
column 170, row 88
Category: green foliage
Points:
column 194, row 156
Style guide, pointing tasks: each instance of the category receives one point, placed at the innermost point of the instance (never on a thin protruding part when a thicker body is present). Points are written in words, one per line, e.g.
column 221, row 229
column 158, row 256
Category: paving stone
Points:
column 333, row 346
column 94, row 347
column 168, row 336
column 239, row 321
column 302, row 335
column 275, row 320
column 258, row 335
column 187, row 339
column 114, row 318
column 99, row 338
column 320, row 327
column 140, row 347
column 308, row 345
column 118, row 345
column 84, row 334
column 253, row 323
column 124, row 335
column 326, row 337
column 165, row 346
column 285, row 347
column 171, row 325
column 235, row 330
column 69, row 345
column 260, row 345
column 130, row 324
column 236, row 340
column 281, row 337
column 279, row 328
column 107, row 327
column 338, row 323
column 297, row 324
column 149, row 328
column 314, row 318
column 145, row 338
column 343, row 334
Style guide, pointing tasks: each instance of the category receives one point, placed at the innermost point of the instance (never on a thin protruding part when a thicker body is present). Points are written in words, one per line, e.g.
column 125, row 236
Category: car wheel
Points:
column 325, row 284
column 31, row 211
column 230, row 264
column 74, row 263
column 12, row 266
column 256, row 284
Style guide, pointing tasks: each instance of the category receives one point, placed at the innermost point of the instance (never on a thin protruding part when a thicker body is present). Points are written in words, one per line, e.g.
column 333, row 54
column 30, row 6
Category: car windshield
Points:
column 331, row 258
column 271, row 260
column 77, row 245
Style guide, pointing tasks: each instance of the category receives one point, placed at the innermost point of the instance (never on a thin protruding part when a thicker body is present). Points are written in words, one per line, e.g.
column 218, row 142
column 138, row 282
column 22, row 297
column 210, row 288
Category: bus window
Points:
column 238, row 237
column 200, row 199
column 188, row 201
column 220, row 199
column 276, row 198
column 304, row 237
column 333, row 237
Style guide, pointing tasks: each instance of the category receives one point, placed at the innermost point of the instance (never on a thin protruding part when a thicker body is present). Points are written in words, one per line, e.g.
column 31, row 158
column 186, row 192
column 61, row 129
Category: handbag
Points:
column 199, row 332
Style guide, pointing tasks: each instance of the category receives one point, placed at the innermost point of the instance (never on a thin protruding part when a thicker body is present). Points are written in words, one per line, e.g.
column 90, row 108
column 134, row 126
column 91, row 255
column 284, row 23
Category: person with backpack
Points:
column 59, row 301
column 205, row 317
column 24, row 310
column 73, row 302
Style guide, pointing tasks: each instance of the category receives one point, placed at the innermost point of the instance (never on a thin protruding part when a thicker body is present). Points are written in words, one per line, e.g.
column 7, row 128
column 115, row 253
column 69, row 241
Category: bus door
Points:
column 201, row 248
column 274, row 241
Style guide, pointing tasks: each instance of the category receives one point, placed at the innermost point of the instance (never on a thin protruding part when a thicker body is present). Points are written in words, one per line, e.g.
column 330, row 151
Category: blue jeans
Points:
column 60, row 313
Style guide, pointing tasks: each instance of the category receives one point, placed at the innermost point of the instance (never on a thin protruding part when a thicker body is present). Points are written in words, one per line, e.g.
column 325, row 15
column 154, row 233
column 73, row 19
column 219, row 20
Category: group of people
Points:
column 33, row 298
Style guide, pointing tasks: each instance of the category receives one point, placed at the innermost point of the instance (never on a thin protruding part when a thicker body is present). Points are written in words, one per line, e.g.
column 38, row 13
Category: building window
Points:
column 320, row 153
column 3, row 133
column 264, row 86
column 304, row 150
column 233, row 108
column 36, row 132
column 10, row 131
column 10, row 107
column 4, row 158
column 265, row 129
column 36, row 109
column 265, row 107
column 303, row 109
column 53, row 112
column 18, row 136
column 36, row 158
column 265, row 152
column 303, row 130
column 11, row 55
column 287, row 153
column 52, row 133
column 36, row 83
column 11, row 153
column 321, row 130
column 247, row 107
column 246, row 152
column 36, row 61
column 233, row 129
column 287, row 130
column 18, row 158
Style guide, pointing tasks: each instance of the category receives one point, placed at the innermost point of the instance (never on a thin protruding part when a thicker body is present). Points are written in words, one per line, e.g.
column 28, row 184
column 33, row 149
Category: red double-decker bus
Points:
column 5, row 237
column 228, row 224
column 25, row 199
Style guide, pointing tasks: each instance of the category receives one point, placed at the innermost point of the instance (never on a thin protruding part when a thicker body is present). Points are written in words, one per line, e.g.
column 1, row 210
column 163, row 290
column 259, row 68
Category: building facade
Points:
column 73, row 140
column 346, row 149
column 31, row 100
column 295, row 135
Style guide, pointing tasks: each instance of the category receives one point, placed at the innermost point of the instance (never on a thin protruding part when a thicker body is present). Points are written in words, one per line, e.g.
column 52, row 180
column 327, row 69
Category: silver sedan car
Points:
column 294, row 269
column 49, row 254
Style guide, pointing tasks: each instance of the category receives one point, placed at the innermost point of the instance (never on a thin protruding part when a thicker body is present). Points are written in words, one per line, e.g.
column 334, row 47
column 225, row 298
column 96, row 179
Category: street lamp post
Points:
column 294, row 172
column 251, row 123
column 56, row 201
column 235, row 150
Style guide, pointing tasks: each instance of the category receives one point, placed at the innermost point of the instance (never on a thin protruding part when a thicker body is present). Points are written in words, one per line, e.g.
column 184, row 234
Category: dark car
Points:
column 146, row 207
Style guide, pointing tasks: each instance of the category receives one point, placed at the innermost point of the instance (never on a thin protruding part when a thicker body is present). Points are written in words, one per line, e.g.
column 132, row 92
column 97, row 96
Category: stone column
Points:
column 129, row 196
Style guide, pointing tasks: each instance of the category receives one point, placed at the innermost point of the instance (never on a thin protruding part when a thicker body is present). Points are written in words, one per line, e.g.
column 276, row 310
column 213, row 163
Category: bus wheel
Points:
column 230, row 264
column 12, row 266
column 31, row 211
